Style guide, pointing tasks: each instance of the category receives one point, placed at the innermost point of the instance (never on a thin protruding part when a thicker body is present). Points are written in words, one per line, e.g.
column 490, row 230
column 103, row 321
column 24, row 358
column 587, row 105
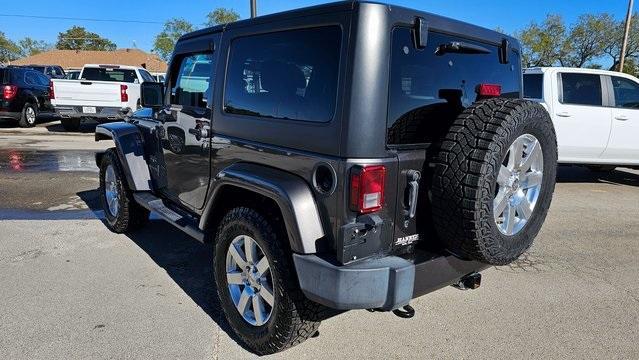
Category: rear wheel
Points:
column 28, row 116
column 257, row 286
column 493, row 180
column 71, row 124
column 122, row 213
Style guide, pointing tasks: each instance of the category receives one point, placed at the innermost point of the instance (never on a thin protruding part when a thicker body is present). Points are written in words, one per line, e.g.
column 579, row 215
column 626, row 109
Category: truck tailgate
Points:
column 86, row 93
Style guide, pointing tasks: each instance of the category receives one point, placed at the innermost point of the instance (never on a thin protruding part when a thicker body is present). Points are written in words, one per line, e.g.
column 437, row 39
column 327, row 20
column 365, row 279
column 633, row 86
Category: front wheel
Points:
column 121, row 211
column 257, row 286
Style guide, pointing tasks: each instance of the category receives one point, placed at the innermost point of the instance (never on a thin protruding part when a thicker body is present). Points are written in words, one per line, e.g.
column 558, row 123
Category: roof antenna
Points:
column 253, row 8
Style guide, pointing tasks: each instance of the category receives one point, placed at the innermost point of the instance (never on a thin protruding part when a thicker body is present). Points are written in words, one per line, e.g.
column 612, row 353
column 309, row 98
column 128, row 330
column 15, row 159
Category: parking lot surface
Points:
column 72, row 289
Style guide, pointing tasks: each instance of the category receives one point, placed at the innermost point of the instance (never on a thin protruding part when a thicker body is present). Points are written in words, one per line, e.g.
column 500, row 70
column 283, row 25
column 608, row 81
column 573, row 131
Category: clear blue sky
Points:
column 509, row 15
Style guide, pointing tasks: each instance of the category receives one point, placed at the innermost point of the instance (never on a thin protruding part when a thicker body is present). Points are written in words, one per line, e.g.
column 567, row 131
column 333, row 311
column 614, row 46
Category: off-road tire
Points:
column 130, row 215
column 24, row 120
column 465, row 174
column 71, row 125
column 294, row 318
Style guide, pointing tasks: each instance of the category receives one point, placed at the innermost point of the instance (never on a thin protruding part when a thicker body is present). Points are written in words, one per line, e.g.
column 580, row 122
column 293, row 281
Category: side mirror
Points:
column 152, row 95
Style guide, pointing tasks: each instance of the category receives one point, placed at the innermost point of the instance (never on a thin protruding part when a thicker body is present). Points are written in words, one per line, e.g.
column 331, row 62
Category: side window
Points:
column 42, row 80
column 581, row 89
column 30, row 78
column 626, row 93
column 288, row 75
column 191, row 84
column 534, row 86
column 146, row 76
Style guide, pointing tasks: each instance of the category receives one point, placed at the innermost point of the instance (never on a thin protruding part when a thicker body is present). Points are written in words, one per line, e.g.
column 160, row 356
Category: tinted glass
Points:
column 193, row 84
column 146, row 76
column 428, row 90
column 108, row 74
column 581, row 89
column 287, row 75
column 533, row 86
column 42, row 80
column 626, row 93
column 31, row 78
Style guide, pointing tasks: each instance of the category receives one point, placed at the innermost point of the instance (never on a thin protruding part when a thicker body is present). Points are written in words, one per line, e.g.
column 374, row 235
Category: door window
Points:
column 533, row 86
column 146, row 76
column 191, row 85
column 581, row 89
column 626, row 93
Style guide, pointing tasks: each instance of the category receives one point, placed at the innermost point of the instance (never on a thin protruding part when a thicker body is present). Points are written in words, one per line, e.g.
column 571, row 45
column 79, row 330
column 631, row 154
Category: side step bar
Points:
column 183, row 222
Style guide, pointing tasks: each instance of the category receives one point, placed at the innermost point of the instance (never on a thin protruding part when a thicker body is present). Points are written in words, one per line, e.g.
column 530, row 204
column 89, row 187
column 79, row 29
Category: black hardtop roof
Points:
column 435, row 21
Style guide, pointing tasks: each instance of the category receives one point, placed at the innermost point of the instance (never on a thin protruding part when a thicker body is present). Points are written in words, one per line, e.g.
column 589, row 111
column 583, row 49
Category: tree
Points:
column 544, row 44
column 78, row 38
column 29, row 47
column 615, row 37
column 9, row 50
column 173, row 30
column 587, row 39
column 221, row 16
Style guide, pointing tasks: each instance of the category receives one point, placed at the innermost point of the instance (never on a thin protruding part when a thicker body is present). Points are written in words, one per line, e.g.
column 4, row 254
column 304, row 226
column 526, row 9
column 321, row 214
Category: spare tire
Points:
column 493, row 180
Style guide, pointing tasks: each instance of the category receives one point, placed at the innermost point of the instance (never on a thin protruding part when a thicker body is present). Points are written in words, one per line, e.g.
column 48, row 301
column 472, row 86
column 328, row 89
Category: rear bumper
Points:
column 386, row 283
column 102, row 113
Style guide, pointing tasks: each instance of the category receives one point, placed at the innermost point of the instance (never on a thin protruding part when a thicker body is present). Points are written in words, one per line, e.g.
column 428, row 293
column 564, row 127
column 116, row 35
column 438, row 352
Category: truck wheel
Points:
column 71, row 125
column 493, row 180
column 28, row 117
column 122, row 213
column 257, row 286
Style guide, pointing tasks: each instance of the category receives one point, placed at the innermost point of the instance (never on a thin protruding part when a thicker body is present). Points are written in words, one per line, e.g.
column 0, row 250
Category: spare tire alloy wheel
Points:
column 518, row 185
column 249, row 279
column 111, row 192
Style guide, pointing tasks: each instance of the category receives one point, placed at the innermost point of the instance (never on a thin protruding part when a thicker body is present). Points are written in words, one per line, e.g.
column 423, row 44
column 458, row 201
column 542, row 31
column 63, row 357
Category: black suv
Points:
column 353, row 155
column 52, row 71
column 25, row 95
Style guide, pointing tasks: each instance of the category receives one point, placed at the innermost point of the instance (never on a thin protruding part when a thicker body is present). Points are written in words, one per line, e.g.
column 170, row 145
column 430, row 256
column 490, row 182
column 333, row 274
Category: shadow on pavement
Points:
column 10, row 123
column 580, row 174
column 187, row 261
column 84, row 128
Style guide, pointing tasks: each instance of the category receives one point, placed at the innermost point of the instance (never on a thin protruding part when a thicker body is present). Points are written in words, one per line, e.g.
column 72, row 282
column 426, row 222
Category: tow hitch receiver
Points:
column 471, row 281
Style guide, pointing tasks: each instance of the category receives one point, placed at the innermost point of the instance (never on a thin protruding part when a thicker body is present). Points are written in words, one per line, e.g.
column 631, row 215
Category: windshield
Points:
column 109, row 74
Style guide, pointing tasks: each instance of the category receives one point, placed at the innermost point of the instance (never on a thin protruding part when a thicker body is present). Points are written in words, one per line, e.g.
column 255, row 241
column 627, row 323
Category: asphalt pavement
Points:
column 70, row 289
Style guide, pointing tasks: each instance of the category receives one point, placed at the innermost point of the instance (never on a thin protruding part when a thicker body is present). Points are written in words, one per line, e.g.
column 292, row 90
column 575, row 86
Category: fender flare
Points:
column 290, row 192
column 130, row 150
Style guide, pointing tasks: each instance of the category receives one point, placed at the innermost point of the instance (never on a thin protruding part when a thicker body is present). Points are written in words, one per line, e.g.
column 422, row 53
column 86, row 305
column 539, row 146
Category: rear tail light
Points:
column 9, row 92
column 488, row 90
column 367, row 188
column 124, row 97
column 51, row 91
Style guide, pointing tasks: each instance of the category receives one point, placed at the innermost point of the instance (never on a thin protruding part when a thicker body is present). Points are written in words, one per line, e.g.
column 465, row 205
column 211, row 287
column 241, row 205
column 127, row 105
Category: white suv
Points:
column 595, row 112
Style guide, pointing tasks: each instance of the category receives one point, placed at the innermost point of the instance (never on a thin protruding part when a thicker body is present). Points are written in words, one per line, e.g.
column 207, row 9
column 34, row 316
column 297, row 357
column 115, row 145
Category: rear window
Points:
column 109, row 74
column 533, row 86
column 428, row 90
column 287, row 75
column 581, row 89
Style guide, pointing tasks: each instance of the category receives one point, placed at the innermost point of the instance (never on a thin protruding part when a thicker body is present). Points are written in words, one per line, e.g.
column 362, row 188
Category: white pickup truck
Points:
column 102, row 93
column 595, row 113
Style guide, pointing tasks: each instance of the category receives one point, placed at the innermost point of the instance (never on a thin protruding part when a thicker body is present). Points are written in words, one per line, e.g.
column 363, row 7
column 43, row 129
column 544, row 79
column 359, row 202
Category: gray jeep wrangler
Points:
column 352, row 155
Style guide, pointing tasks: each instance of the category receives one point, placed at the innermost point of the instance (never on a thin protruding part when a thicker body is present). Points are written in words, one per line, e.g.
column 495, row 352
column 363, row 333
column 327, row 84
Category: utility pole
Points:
column 254, row 8
column 624, row 45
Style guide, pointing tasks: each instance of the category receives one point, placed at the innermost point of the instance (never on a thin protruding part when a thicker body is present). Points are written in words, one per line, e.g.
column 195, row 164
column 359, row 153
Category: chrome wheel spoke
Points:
column 509, row 219
column 500, row 203
column 250, row 249
column 532, row 179
column 262, row 266
column 235, row 278
column 258, row 310
column 244, row 300
column 238, row 256
column 504, row 175
column 516, row 154
column 533, row 151
column 524, row 209
column 267, row 294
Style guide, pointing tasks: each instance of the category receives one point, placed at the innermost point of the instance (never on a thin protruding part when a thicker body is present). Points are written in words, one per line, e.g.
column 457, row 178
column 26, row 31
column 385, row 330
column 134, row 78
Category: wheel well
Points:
column 230, row 197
